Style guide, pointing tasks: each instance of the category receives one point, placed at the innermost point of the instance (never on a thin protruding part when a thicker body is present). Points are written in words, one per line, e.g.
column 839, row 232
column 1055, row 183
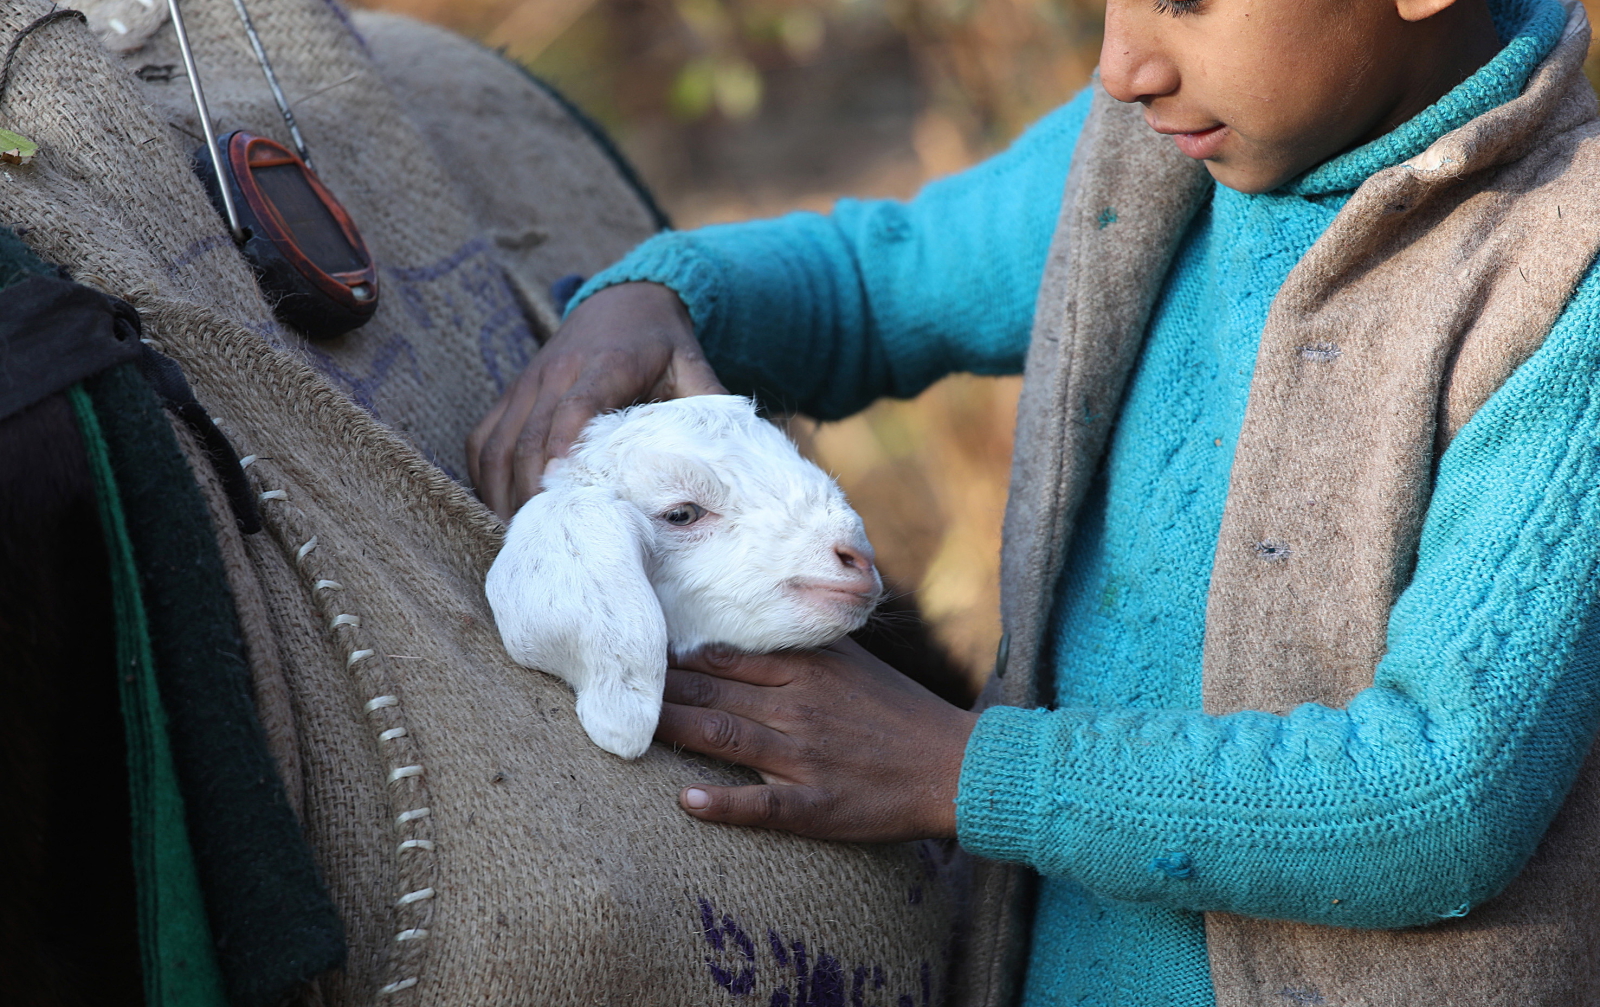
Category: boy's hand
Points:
column 629, row 343
column 850, row 749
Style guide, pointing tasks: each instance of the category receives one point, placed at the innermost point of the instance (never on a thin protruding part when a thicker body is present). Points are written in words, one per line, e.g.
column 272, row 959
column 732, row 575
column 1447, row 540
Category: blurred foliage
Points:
column 928, row 84
column 999, row 62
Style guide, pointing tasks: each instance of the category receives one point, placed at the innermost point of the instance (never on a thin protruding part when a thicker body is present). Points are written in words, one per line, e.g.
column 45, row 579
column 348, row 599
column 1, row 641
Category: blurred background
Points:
column 733, row 109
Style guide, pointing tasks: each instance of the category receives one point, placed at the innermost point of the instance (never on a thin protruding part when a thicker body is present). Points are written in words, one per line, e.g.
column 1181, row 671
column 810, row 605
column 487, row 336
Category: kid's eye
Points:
column 684, row 514
column 1176, row 8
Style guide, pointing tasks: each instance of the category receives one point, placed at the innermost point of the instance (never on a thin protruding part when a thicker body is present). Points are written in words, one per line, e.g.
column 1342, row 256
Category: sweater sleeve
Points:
column 824, row 313
column 1430, row 791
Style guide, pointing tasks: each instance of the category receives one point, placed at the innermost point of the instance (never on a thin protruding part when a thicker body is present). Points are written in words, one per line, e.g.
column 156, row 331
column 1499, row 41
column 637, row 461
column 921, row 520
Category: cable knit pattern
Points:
column 1418, row 801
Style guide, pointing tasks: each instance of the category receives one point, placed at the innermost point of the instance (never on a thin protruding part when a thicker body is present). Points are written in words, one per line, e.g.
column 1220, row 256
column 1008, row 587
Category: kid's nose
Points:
column 853, row 557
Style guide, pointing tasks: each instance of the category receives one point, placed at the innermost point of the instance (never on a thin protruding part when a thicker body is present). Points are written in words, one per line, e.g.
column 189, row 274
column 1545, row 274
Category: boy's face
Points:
column 1261, row 90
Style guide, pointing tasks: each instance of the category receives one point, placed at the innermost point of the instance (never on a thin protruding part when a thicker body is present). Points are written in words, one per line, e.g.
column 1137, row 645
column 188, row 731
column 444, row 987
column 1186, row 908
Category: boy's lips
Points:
column 1198, row 143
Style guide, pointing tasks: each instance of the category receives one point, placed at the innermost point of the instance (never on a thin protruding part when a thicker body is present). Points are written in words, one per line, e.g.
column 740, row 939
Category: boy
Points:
column 1245, row 481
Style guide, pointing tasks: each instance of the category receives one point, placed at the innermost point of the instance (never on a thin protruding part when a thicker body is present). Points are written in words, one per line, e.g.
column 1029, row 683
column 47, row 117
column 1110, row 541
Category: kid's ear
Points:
column 571, row 595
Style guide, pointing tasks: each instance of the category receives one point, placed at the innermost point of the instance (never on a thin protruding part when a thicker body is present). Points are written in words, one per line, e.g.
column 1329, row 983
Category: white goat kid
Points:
column 671, row 526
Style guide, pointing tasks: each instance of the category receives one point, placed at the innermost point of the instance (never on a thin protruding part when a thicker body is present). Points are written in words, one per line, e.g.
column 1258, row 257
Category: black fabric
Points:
column 17, row 261
column 271, row 918
column 53, row 333
column 166, row 377
column 68, row 919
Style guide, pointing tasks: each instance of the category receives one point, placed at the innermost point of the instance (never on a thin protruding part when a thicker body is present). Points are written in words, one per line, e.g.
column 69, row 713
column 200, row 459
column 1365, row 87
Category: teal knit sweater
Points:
column 1420, row 800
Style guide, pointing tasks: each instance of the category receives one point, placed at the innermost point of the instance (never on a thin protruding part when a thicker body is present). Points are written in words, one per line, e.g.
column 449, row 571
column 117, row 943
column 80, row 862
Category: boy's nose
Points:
column 1133, row 66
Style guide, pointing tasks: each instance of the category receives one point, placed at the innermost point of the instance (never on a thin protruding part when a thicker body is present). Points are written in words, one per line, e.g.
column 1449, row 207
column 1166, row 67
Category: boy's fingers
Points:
column 790, row 807
column 609, row 380
column 754, row 669
column 530, row 454
column 573, row 411
column 478, row 438
column 531, row 451
column 724, row 735
column 500, row 435
column 691, row 688
column 495, row 465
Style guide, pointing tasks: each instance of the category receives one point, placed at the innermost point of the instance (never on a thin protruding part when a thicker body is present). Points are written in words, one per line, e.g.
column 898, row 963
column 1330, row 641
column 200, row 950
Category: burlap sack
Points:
column 480, row 849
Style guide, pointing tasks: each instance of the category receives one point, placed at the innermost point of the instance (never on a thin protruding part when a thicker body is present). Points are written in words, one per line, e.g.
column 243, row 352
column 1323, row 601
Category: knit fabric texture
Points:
column 826, row 313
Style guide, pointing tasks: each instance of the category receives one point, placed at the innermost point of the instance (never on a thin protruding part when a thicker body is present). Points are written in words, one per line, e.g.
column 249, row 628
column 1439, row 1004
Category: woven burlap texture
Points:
column 1437, row 279
column 479, row 848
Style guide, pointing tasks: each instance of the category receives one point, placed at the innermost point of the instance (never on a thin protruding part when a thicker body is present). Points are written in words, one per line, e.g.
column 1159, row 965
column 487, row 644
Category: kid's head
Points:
column 1264, row 89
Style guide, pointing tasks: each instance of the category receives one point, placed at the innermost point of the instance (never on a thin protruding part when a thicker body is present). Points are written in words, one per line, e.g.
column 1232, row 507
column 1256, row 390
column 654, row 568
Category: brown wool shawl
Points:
column 1438, row 278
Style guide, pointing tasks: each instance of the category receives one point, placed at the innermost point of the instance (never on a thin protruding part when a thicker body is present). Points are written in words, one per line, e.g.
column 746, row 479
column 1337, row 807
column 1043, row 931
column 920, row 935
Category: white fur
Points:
column 594, row 585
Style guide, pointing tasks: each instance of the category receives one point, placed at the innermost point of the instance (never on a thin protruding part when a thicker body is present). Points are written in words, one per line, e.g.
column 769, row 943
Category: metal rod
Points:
column 272, row 82
column 205, row 121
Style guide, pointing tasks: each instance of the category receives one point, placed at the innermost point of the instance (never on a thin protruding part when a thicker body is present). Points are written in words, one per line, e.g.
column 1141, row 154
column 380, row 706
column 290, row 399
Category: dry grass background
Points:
column 734, row 109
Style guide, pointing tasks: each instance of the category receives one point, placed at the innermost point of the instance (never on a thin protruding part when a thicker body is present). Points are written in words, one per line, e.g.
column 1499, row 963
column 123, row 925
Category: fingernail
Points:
column 696, row 798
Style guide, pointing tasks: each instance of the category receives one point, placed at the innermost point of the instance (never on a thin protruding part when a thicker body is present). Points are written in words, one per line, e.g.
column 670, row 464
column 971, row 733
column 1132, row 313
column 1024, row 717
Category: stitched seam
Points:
column 405, row 777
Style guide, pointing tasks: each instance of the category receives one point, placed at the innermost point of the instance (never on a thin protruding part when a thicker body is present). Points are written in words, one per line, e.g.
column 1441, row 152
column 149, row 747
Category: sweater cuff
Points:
column 672, row 260
column 997, row 803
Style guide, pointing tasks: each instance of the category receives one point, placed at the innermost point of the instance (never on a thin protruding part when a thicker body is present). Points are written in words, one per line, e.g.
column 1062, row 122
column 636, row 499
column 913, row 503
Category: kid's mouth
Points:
column 857, row 597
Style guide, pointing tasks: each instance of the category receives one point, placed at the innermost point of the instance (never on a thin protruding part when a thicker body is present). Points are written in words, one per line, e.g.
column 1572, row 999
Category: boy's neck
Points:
column 1446, row 48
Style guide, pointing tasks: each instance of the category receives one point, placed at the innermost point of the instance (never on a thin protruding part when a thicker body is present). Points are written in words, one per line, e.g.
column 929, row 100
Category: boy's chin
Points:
column 1251, row 166
column 1248, row 176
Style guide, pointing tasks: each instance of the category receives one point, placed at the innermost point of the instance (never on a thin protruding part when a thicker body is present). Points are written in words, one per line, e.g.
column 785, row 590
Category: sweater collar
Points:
column 1532, row 28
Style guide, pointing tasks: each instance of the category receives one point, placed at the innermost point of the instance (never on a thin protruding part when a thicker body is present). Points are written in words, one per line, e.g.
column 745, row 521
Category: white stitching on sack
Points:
column 380, row 708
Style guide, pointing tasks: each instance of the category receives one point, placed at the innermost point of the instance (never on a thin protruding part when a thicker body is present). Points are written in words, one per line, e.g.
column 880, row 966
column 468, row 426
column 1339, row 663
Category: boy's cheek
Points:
column 1266, row 145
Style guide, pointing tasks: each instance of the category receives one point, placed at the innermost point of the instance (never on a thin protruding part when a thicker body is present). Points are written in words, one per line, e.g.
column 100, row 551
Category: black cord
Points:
column 16, row 40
